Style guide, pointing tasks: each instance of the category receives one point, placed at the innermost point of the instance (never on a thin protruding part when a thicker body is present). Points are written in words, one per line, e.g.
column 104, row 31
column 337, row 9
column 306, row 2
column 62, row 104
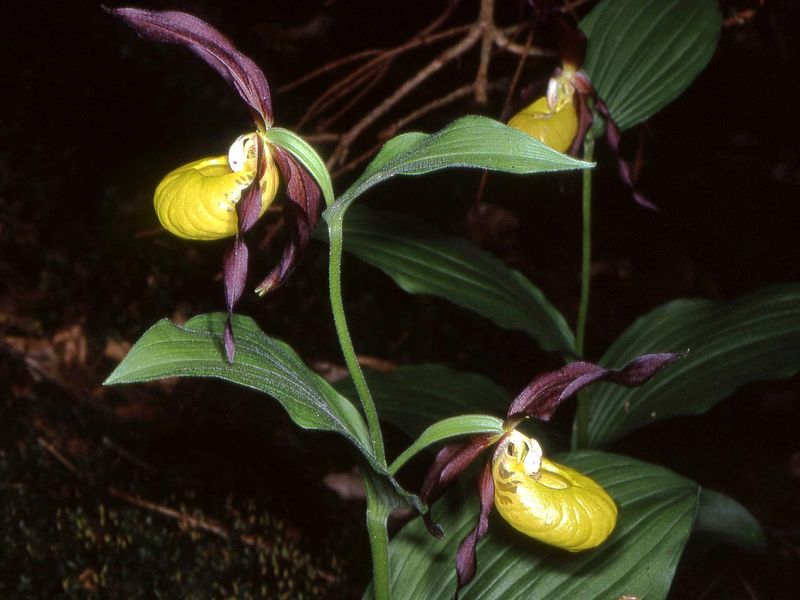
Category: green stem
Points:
column 343, row 333
column 377, row 515
column 582, row 420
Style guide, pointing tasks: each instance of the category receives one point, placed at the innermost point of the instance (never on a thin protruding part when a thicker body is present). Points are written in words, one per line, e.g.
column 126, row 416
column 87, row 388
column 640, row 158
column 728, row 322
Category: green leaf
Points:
column 722, row 520
column 262, row 363
column 642, row 54
column 471, row 142
column 656, row 512
column 414, row 397
column 423, row 260
column 461, row 425
column 752, row 338
column 474, row 142
column 302, row 151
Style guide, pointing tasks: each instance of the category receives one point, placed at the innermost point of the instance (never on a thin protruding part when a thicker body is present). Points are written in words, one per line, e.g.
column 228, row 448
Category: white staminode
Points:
column 530, row 451
column 239, row 151
column 552, row 93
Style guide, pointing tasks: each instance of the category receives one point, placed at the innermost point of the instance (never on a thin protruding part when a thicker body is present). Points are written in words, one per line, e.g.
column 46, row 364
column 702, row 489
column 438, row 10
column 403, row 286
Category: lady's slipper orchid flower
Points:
column 562, row 117
column 545, row 500
column 219, row 197
column 551, row 119
column 198, row 201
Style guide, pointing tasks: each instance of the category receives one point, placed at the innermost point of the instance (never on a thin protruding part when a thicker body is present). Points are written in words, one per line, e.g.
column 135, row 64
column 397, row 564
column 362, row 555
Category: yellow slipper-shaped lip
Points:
column 548, row 501
column 198, row 200
column 556, row 128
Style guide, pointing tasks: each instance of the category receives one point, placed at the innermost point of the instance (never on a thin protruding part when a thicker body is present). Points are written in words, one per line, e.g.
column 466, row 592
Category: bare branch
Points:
column 334, row 64
column 435, row 65
column 365, row 89
column 456, row 94
column 355, row 85
column 486, row 24
column 515, row 79
column 503, row 42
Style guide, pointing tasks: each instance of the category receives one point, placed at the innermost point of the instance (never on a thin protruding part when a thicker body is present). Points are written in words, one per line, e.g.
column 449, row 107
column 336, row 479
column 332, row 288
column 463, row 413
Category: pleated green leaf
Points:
column 656, row 512
column 423, row 260
column 722, row 520
column 752, row 338
column 642, row 54
column 414, row 397
column 469, row 142
column 262, row 363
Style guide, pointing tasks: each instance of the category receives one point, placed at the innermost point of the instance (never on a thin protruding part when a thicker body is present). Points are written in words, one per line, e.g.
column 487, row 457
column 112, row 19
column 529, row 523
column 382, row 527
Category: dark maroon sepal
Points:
column 449, row 463
column 466, row 556
column 209, row 44
column 248, row 209
column 235, row 276
column 614, row 137
column 301, row 213
column 543, row 395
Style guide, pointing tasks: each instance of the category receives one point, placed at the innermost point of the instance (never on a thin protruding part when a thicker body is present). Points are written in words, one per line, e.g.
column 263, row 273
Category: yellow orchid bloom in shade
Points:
column 556, row 129
column 198, row 200
column 547, row 501
column 562, row 118
column 551, row 119
column 224, row 196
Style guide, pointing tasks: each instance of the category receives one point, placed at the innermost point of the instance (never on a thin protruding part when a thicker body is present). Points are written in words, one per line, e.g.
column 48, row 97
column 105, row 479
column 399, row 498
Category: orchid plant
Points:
column 622, row 522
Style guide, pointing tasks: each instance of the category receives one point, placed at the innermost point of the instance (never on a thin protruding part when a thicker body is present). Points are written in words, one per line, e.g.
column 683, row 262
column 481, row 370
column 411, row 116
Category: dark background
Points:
column 90, row 120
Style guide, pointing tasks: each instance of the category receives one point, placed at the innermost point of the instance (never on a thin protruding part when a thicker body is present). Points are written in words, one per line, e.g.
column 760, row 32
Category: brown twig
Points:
column 423, row 110
column 487, row 27
column 126, row 454
column 340, row 89
column 65, row 462
column 571, row 5
column 357, row 83
column 364, row 156
column 334, row 64
column 504, row 42
column 182, row 517
column 392, row 129
column 365, row 89
column 503, row 113
column 380, row 62
column 343, row 147
column 205, row 525
column 515, row 79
